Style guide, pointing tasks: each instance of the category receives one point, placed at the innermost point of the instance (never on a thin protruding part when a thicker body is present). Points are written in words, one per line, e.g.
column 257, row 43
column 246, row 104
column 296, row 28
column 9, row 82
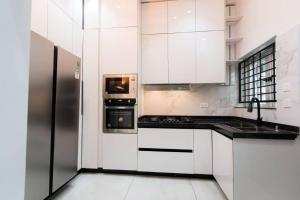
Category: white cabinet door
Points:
column 65, row 5
column 77, row 12
column 155, row 69
column 60, row 27
column 119, row 51
column 203, row 152
column 210, row 15
column 223, row 163
column 39, row 17
column 182, row 58
column 77, row 40
column 181, row 16
column 166, row 138
column 119, row 13
column 166, row 162
column 155, row 18
column 211, row 67
column 91, row 14
column 90, row 100
column 120, row 151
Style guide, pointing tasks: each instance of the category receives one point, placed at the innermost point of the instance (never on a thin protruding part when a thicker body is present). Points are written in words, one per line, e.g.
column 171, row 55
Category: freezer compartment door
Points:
column 39, row 118
column 65, row 152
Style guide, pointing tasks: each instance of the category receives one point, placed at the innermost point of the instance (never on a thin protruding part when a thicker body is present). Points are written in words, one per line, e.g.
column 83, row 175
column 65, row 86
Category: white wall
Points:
column 14, row 56
column 262, row 19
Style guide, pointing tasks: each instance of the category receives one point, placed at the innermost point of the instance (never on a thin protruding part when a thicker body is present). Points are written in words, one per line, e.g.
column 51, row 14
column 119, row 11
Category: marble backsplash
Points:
column 222, row 100
column 288, row 81
column 196, row 100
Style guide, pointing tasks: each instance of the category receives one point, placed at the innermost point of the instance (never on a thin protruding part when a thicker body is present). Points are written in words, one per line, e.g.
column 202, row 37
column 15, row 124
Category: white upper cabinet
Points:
column 39, row 17
column 182, row 58
column 119, row 50
column 119, row 13
column 210, row 15
column 65, row 5
column 91, row 14
column 181, row 16
column 155, row 59
column 211, row 57
column 77, row 11
column 155, row 17
column 77, row 40
column 60, row 27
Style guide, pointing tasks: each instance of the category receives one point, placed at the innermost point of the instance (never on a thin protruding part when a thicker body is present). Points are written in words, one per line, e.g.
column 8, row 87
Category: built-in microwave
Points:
column 120, row 86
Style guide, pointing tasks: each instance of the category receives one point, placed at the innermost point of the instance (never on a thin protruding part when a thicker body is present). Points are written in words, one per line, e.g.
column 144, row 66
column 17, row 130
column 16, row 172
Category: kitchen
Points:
column 178, row 99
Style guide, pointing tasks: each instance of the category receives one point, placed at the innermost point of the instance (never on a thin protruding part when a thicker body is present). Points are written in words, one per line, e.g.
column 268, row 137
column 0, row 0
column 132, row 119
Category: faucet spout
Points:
column 250, row 109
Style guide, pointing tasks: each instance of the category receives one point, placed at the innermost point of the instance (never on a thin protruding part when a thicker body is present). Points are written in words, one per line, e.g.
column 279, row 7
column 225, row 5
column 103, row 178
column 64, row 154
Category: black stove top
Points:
column 168, row 119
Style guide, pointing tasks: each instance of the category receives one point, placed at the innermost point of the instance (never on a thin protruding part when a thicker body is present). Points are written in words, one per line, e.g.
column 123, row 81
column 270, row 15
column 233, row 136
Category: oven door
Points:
column 118, row 119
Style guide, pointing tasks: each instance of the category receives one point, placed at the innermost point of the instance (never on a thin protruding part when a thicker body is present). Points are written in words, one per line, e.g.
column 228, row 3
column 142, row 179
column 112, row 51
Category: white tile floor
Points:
column 128, row 187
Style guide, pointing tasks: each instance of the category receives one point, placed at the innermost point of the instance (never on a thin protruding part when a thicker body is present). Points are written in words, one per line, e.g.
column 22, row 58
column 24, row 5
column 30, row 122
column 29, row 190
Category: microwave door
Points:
column 117, row 86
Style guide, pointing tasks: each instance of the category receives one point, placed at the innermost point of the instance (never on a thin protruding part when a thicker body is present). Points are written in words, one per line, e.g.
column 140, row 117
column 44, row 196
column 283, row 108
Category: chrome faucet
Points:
column 250, row 109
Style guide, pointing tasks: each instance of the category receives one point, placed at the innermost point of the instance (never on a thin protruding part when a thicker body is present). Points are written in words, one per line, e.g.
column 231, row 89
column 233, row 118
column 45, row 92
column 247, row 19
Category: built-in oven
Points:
column 120, row 116
column 120, row 86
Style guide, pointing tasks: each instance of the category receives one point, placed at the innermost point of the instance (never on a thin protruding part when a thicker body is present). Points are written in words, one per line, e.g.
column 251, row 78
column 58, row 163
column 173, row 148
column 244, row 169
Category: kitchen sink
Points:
column 253, row 129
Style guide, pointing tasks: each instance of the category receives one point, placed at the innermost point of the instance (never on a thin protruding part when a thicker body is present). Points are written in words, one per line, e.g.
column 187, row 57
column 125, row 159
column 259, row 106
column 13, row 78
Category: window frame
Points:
column 254, row 83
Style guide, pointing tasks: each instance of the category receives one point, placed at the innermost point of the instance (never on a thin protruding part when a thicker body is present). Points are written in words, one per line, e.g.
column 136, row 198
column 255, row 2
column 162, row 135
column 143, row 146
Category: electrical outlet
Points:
column 204, row 105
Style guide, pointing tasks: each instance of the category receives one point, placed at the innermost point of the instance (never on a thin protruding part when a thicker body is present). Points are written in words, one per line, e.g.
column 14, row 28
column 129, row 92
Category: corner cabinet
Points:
column 223, row 163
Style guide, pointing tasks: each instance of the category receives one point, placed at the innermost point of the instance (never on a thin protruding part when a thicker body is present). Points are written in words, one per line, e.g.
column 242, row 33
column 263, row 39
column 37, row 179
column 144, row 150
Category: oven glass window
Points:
column 117, row 85
column 120, row 118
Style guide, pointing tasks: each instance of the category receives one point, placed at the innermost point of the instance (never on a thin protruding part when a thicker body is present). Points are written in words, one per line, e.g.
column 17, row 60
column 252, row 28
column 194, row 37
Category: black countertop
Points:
column 231, row 127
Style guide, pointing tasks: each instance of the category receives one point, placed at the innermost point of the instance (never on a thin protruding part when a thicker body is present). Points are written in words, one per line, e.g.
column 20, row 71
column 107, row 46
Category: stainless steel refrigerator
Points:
column 53, row 118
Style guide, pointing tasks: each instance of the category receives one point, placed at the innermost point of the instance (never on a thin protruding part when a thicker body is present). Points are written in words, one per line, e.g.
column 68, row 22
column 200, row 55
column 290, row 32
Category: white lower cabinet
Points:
column 184, row 151
column 166, row 162
column 223, row 163
column 203, row 152
column 166, row 138
column 120, row 151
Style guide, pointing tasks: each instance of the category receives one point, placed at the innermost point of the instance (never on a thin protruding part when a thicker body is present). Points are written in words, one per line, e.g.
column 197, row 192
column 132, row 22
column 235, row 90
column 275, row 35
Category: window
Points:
column 257, row 76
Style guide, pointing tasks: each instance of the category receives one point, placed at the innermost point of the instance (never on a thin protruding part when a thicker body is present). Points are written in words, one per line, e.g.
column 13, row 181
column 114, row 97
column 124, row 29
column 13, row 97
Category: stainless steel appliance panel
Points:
column 120, row 86
column 120, row 119
column 39, row 118
column 66, row 118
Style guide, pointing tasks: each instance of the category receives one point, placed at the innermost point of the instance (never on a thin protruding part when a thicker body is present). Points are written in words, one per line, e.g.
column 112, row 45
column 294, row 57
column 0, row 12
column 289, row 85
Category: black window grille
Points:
column 258, row 76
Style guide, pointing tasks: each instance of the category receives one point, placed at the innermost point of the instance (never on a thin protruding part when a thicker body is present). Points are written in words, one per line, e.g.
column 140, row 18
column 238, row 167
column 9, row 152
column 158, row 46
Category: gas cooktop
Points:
column 168, row 119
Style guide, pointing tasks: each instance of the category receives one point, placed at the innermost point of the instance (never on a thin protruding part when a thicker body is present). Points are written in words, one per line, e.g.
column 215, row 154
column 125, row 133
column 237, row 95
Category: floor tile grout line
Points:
column 125, row 197
column 190, row 181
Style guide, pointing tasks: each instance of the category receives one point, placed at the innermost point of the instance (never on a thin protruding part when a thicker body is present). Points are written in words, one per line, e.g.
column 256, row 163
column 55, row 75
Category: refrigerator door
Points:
column 39, row 118
column 66, row 129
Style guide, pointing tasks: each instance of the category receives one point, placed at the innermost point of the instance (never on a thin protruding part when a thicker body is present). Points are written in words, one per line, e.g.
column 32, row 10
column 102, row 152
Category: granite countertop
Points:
column 231, row 127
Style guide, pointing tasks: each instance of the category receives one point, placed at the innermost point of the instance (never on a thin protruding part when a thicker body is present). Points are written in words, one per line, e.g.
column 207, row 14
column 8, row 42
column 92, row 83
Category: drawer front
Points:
column 165, row 162
column 166, row 138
